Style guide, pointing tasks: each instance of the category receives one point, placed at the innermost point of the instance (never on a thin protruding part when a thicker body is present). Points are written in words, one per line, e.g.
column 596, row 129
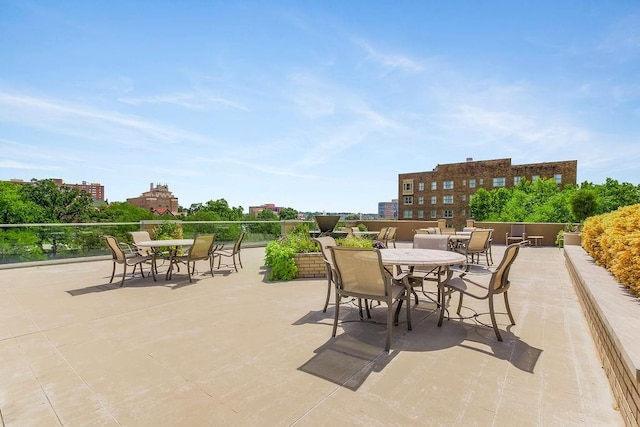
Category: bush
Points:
column 613, row 240
column 280, row 258
column 355, row 242
column 279, row 253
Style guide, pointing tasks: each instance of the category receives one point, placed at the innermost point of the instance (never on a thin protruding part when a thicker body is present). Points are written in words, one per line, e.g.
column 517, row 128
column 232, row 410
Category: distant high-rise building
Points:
column 158, row 200
column 388, row 210
column 445, row 192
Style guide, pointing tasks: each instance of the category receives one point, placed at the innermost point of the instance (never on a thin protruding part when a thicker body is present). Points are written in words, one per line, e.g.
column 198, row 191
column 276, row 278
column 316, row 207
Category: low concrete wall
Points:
column 613, row 315
column 548, row 231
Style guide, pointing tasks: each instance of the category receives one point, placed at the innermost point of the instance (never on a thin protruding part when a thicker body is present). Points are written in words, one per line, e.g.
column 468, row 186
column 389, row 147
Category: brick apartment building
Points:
column 255, row 210
column 158, row 200
column 95, row 189
column 445, row 192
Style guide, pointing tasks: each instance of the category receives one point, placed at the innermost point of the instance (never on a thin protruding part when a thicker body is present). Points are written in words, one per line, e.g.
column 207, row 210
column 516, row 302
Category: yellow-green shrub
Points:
column 613, row 240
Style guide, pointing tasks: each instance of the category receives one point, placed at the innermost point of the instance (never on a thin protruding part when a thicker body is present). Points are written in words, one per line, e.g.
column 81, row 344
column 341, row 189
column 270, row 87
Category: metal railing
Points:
column 20, row 243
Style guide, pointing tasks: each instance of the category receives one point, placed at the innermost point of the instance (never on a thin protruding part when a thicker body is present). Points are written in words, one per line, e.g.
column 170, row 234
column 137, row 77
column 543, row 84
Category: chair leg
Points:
column 389, row 325
column 493, row 319
column 113, row 272
column 441, row 298
column 189, row 270
column 326, row 302
column 335, row 317
column 409, row 326
column 234, row 262
column 240, row 260
column 506, row 303
column 153, row 268
column 460, row 303
column 124, row 275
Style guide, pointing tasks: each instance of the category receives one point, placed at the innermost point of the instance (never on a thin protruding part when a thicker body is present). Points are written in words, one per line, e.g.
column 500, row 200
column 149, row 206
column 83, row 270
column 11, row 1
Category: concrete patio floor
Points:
column 236, row 349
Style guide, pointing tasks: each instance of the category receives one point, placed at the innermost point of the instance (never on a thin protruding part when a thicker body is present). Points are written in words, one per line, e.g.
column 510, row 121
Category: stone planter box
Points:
column 572, row 239
column 613, row 315
column 310, row 265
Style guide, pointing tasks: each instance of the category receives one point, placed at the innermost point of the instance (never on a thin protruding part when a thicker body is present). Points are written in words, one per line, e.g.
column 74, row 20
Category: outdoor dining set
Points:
column 393, row 275
column 171, row 251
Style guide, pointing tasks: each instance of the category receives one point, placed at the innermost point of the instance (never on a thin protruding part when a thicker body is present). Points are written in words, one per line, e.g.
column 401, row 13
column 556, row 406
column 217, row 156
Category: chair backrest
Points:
column 469, row 229
column 391, row 235
column 478, row 240
column 360, row 272
column 202, row 246
column 517, row 230
column 141, row 236
column 500, row 277
column 382, row 234
column 325, row 243
column 116, row 250
column 238, row 243
column 431, row 241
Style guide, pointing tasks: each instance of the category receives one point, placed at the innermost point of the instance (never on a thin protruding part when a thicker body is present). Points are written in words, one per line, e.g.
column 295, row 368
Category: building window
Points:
column 558, row 178
column 434, row 213
column 421, row 200
column 464, row 182
column 447, row 213
column 421, row 186
column 408, row 200
column 463, row 213
column 407, row 214
column 498, row 182
column 407, row 186
column 434, row 185
column 434, row 200
column 481, row 182
column 464, row 197
column 472, row 183
column 448, row 199
column 420, row 214
column 447, row 185
column 516, row 180
column 535, row 178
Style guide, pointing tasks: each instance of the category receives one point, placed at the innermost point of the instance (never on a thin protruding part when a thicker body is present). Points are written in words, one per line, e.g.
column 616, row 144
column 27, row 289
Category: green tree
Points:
column 480, row 205
column 267, row 215
column 59, row 203
column 584, row 203
column 613, row 195
column 15, row 208
column 288, row 213
column 122, row 212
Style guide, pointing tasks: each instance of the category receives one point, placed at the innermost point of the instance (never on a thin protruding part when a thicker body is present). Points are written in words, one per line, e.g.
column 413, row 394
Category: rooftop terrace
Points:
column 236, row 349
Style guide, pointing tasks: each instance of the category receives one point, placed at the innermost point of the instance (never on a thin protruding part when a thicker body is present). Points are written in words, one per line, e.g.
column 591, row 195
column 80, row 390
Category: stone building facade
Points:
column 158, row 200
column 445, row 192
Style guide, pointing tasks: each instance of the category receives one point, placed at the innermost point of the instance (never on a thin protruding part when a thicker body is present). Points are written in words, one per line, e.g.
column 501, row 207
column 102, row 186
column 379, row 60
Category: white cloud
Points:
column 56, row 115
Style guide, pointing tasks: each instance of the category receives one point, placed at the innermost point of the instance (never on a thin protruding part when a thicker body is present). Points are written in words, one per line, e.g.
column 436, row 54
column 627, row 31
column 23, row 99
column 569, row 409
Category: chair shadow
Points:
column 130, row 282
column 347, row 361
column 363, row 342
column 477, row 334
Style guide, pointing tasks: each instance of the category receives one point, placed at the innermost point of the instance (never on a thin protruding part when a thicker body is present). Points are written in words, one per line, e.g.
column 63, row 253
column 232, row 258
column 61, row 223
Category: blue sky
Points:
column 314, row 105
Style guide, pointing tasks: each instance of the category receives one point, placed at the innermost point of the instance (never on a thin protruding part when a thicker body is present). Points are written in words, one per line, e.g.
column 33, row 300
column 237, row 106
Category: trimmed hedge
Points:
column 613, row 241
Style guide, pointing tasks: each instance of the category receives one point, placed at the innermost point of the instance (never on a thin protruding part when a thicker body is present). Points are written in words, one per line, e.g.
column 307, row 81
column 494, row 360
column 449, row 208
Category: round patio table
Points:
column 172, row 244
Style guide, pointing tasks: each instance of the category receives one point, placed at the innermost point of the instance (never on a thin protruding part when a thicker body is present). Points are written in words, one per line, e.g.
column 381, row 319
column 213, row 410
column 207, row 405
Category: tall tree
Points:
column 288, row 213
column 16, row 209
column 59, row 203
